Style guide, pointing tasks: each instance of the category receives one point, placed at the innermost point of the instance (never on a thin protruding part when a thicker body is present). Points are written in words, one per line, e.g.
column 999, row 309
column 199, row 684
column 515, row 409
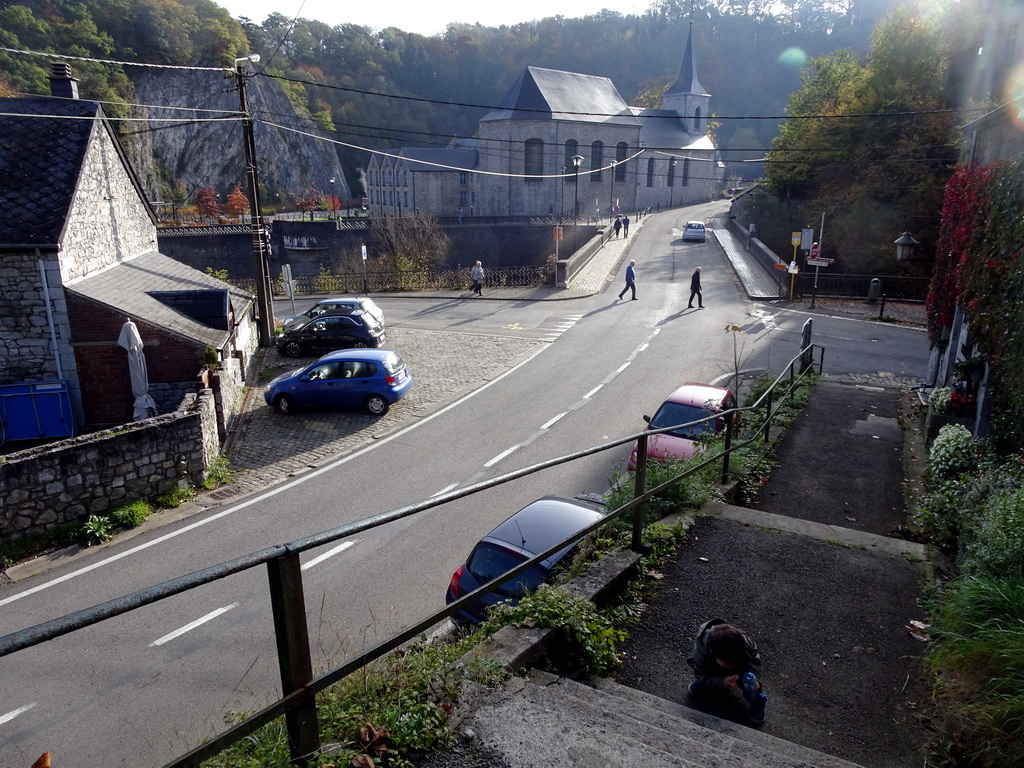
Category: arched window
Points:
column 650, row 172
column 672, row 172
column 533, row 159
column 686, row 172
column 696, row 120
column 620, row 160
column 596, row 159
column 572, row 148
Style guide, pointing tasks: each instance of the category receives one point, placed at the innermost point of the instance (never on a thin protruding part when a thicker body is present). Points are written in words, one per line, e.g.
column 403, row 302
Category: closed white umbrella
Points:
column 132, row 341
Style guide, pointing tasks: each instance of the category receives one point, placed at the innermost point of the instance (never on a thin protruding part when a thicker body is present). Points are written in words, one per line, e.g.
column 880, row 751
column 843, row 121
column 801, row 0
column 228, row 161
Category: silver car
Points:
column 340, row 305
column 695, row 230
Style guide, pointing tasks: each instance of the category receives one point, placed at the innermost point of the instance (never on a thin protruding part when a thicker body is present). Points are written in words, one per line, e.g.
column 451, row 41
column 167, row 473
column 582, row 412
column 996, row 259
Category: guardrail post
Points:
column 290, row 629
column 639, row 488
column 728, row 447
column 807, row 358
column 768, row 414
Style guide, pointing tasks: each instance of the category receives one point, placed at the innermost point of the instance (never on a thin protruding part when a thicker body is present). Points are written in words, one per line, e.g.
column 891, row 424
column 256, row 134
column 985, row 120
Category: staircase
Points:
column 551, row 721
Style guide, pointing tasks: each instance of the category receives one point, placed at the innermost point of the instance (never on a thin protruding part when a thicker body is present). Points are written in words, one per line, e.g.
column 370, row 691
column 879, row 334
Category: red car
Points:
column 688, row 403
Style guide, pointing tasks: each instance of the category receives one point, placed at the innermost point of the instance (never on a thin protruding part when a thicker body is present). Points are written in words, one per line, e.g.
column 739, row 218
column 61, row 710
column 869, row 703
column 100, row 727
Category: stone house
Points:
column 78, row 257
column 521, row 162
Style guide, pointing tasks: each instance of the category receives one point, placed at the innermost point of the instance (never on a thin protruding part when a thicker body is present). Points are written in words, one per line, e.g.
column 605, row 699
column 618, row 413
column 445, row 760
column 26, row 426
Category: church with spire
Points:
column 559, row 142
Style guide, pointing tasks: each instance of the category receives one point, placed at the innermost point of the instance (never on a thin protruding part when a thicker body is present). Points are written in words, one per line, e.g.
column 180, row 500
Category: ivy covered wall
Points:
column 978, row 267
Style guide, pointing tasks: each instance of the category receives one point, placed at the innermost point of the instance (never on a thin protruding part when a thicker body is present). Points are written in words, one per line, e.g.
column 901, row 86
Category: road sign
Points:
column 557, row 235
column 780, row 266
column 819, row 262
column 795, row 238
column 815, row 250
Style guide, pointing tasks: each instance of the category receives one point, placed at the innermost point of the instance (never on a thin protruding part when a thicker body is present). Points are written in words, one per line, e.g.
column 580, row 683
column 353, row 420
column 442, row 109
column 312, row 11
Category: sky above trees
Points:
column 426, row 18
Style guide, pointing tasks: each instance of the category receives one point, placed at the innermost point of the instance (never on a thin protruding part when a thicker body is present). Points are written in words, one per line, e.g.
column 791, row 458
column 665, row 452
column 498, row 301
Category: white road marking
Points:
column 192, row 625
column 592, row 392
column 623, row 367
column 445, row 490
column 329, row 553
column 501, row 456
column 15, row 712
column 261, row 497
column 548, row 424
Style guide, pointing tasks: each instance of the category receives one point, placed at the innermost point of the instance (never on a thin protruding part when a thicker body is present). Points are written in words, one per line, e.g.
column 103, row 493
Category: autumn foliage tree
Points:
column 207, row 203
column 238, row 202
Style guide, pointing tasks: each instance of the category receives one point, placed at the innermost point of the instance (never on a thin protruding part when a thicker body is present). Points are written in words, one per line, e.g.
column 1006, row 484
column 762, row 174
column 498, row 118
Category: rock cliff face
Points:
column 202, row 146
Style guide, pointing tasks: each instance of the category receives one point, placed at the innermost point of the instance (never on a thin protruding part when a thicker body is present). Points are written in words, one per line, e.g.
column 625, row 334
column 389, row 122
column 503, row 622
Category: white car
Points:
column 341, row 305
column 695, row 230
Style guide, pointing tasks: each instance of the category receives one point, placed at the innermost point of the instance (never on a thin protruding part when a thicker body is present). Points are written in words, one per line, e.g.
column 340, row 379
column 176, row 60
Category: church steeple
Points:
column 686, row 95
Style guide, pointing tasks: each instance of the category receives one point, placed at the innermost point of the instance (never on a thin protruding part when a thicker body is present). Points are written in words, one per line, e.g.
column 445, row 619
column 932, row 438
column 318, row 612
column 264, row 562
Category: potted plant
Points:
column 969, row 369
column 939, row 399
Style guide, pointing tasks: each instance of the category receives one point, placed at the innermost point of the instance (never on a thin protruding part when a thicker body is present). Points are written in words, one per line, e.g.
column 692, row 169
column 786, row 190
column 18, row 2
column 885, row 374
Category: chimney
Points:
column 62, row 84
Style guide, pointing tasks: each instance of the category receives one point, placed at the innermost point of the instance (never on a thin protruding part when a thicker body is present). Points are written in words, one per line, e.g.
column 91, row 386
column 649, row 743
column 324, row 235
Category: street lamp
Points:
column 905, row 245
column 334, row 205
column 611, row 194
column 671, row 181
column 576, row 160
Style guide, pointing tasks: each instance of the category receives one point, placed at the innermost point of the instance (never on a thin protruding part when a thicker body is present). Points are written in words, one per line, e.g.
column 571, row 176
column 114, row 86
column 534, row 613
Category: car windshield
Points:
column 671, row 414
column 489, row 561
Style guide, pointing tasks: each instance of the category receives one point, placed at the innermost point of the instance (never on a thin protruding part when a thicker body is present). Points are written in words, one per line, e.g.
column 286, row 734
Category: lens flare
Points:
column 792, row 57
column 1013, row 88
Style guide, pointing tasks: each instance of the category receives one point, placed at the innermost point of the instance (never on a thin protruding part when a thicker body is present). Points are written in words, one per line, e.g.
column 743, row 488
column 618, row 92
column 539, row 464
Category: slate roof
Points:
column 167, row 294
column 459, row 158
column 41, row 155
column 687, row 81
column 662, row 129
column 550, row 94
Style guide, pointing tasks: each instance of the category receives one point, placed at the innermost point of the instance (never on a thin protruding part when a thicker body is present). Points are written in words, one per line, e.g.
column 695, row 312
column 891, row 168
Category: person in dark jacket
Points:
column 695, row 290
column 630, row 279
column 725, row 661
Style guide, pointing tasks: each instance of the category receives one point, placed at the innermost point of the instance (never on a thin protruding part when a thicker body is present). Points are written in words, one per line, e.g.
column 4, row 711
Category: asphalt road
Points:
column 581, row 373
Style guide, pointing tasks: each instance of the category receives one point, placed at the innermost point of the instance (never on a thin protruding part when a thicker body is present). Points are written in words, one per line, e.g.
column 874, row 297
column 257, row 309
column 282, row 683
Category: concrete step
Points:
column 565, row 723
column 758, row 740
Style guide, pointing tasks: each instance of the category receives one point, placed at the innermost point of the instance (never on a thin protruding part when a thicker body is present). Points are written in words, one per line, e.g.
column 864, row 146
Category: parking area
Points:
column 267, row 447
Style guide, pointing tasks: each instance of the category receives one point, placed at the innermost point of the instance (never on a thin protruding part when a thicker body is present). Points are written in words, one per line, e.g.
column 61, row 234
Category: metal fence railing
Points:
column 330, row 283
column 894, row 287
column 286, row 592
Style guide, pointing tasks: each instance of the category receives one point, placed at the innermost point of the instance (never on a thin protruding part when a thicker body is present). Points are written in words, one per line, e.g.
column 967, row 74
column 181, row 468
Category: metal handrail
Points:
column 298, row 684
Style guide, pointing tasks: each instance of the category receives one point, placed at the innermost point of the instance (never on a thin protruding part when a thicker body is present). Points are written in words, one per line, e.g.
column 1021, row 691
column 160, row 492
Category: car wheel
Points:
column 286, row 404
column 377, row 405
column 360, row 345
column 292, row 349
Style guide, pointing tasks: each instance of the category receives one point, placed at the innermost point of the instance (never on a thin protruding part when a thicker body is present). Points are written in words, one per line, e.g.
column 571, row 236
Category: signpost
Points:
column 816, row 260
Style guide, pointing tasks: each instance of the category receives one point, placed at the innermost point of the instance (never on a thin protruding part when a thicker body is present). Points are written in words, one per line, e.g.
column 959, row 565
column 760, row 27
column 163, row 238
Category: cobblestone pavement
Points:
column 268, row 447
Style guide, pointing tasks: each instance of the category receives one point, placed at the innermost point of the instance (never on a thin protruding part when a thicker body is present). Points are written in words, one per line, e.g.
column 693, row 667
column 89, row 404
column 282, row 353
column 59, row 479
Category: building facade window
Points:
column 596, row 160
column 572, row 148
column 650, row 172
column 696, row 120
column 463, row 178
column 463, row 198
column 620, row 160
column 533, row 159
column 686, row 172
column 671, row 173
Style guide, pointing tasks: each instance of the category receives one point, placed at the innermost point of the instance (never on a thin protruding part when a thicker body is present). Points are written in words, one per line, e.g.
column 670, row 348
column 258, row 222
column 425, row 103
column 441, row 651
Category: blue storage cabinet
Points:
column 35, row 410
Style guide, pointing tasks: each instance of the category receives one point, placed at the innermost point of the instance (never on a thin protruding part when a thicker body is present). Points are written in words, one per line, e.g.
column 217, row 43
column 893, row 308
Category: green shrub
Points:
column 130, row 515
column 954, row 452
column 939, row 399
column 977, row 662
column 996, row 541
column 175, row 497
column 96, row 530
column 219, row 473
column 586, row 639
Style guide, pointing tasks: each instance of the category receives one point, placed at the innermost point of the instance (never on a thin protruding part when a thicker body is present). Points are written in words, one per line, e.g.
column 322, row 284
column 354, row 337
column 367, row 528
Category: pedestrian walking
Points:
column 725, row 663
column 630, row 280
column 695, row 290
column 617, row 225
column 460, row 216
column 625, row 226
column 476, row 274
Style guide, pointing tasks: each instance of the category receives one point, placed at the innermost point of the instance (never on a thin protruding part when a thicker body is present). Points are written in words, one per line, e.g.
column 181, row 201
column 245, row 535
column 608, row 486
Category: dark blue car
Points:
column 370, row 378
column 528, row 532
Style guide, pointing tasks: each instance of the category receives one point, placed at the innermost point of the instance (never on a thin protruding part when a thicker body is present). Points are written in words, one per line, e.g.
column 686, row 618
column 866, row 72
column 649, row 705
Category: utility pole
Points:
column 260, row 236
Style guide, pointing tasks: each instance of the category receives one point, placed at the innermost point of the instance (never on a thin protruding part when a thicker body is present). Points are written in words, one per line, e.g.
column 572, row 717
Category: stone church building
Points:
column 522, row 161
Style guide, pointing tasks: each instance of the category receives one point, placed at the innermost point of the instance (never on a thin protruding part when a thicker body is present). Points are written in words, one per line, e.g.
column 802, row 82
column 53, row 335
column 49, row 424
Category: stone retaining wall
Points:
column 65, row 482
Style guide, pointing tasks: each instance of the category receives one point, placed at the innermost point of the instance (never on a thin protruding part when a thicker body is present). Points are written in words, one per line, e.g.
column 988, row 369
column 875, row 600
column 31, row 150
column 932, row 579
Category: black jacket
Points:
column 705, row 668
column 695, row 281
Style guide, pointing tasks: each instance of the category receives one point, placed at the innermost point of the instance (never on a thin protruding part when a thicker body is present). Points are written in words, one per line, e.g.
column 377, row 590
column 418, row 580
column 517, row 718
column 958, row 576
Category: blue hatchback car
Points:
column 370, row 378
column 528, row 532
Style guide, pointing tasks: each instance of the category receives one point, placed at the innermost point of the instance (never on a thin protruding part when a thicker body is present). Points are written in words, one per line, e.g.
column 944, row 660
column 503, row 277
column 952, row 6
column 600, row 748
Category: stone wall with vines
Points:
column 979, row 267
